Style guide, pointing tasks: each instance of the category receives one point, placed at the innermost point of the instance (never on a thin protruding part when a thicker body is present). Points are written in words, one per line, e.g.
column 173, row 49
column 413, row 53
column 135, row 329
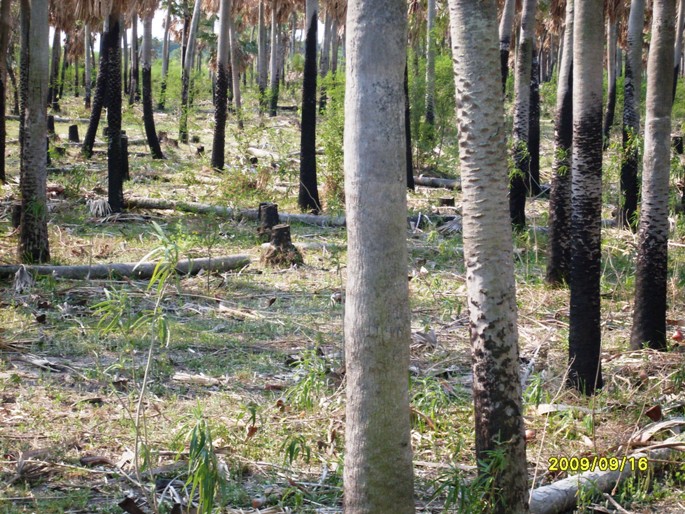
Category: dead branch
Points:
column 447, row 183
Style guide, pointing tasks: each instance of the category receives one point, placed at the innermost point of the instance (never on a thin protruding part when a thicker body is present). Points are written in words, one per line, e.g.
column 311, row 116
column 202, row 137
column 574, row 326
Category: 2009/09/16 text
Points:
column 598, row 463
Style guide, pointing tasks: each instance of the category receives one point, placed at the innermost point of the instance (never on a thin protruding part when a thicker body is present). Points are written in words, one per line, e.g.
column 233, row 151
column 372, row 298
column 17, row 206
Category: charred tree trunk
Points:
column 134, row 88
column 88, row 65
column 533, row 184
column 612, row 36
column 165, row 59
column 220, row 102
column 148, row 114
column 63, row 72
column 115, row 169
column 100, row 91
column 187, row 70
column 262, row 71
column 53, row 91
column 4, row 43
column 273, row 106
column 407, row 130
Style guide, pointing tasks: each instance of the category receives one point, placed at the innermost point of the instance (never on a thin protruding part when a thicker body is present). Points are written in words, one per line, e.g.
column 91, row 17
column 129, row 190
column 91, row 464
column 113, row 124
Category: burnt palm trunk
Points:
column 506, row 25
column 220, row 102
column 308, row 197
column 165, row 59
column 53, row 91
column 407, row 130
column 148, row 115
column 63, row 72
column 134, row 89
column 100, row 90
column 273, row 105
column 612, row 36
column 115, row 171
column 262, row 72
column 4, row 42
column 88, row 65
column 533, row 184
column 187, row 70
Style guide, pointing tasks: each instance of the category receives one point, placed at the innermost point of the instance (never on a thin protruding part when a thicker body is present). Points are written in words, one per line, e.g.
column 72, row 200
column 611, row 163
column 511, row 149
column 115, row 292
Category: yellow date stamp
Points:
column 597, row 463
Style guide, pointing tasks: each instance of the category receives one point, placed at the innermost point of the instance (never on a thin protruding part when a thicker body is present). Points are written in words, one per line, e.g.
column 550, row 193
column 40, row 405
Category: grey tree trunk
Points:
column 5, row 29
column 273, row 105
column 88, row 66
column 632, row 87
column 53, row 90
column 584, row 338
column 125, row 54
column 488, row 253
column 33, row 240
column 559, row 240
column 612, row 39
column 524, row 63
column 506, row 26
column 165, row 59
column 678, row 46
column 134, row 88
column 187, row 70
column 430, row 64
column 235, row 71
column 324, row 62
column 378, row 474
column 335, row 46
column 262, row 71
column 649, row 315
column 148, row 114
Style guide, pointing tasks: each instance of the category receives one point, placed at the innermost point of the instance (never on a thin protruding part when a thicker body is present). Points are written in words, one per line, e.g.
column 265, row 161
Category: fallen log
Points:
column 252, row 214
column 143, row 270
column 448, row 183
column 58, row 119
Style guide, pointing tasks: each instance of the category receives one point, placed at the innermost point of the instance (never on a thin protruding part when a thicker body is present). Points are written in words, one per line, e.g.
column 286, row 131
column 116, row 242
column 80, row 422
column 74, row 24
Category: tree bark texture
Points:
column 148, row 114
column 88, row 64
column 678, row 45
column 115, row 169
column 273, row 99
column 235, row 72
column 220, row 101
column 632, row 87
column 506, row 26
column 612, row 38
column 187, row 70
column 5, row 29
column 430, row 63
column 488, row 252
column 53, row 90
column 308, row 197
column 586, row 198
column 407, row 131
column 33, row 239
column 533, row 182
column 165, row 59
column 559, row 240
column 100, row 91
column 134, row 88
column 262, row 71
column 649, row 314
column 378, row 474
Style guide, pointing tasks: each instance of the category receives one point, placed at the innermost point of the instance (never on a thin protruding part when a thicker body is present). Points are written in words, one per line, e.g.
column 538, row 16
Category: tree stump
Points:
column 16, row 214
column 200, row 150
column 677, row 143
column 73, row 134
column 446, row 201
column 124, row 156
column 282, row 252
column 51, row 125
column 268, row 216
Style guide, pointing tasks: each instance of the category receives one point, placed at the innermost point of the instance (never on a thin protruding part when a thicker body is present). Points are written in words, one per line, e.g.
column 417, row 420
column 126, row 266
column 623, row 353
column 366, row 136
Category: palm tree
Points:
column 649, row 315
column 506, row 26
column 88, row 64
column 262, row 71
column 134, row 87
column 5, row 29
column 187, row 70
column 165, row 56
column 100, row 90
column 220, row 101
column 632, row 85
column 488, row 253
column 273, row 100
column 559, row 244
column 308, row 197
column 33, row 239
column 613, row 10
column 584, row 338
column 430, row 64
column 148, row 115
column 53, row 96
column 378, row 475
column 678, row 46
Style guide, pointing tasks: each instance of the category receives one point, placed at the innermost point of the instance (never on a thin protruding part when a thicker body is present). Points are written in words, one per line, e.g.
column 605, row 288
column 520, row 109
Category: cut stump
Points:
column 282, row 252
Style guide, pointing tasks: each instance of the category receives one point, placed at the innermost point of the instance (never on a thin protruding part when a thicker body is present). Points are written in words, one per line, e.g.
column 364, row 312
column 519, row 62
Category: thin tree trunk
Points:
column 678, row 46
column 165, row 59
column 335, row 46
column 533, row 182
column 559, row 245
column 148, row 115
column 632, row 87
column 88, row 65
column 125, row 55
column 187, row 70
column 651, row 274
column 77, row 72
column 115, row 171
column 273, row 106
column 53, row 90
column 33, row 240
column 134, row 88
column 378, row 474
column 324, row 62
column 235, row 72
column 430, row 66
column 15, row 88
column 584, row 338
column 220, row 103
column 612, row 37
column 5, row 29
column 308, row 197
column 506, row 26
column 262, row 71
column 488, row 254
column 100, row 90
column 407, row 131
column 63, row 72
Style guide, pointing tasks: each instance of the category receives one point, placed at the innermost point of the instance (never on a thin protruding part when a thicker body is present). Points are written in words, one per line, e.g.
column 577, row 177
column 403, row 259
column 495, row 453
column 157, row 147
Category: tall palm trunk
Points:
column 100, row 89
column 335, row 46
column 612, row 37
column 324, row 62
column 148, row 115
column 506, row 26
column 262, row 71
column 533, row 182
column 488, row 254
column 559, row 242
column 53, row 90
column 651, row 274
column 220, row 102
column 63, row 72
column 524, row 64
column 407, row 131
column 308, row 197
column 378, row 475
column 430, row 65
column 187, row 70
column 632, row 87
column 584, row 338
column 77, row 72
column 33, row 240
column 5, row 29
column 115, row 171
column 134, row 89
column 88, row 65
column 165, row 59
column 125, row 55
column 678, row 46
column 273, row 105
column 235, row 71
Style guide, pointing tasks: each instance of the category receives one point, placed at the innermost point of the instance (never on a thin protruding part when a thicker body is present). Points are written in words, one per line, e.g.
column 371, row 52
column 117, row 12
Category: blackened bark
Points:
column 77, row 72
column 407, row 130
column 148, row 115
column 308, row 198
column 134, row 89
column 53, row 90
column 100, row 92
column 629, row 167
column 504, row 63
column 220, row 105
column 115, row 171
column 183, row 124
column 63, row 72
column 15, row 88
column 610, row 110
column 533, row 184
column 4, row 62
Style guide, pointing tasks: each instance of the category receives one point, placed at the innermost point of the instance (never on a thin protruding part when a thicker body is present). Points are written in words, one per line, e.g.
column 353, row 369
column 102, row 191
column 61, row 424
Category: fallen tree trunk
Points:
column 562, row 496
column 448, row 183
column 58, row 119
column 142, row 270
column 253, row 214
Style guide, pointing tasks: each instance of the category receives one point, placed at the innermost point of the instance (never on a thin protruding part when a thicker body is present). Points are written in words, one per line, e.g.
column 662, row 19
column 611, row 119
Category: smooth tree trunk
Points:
column 378, row 472
column 651, row 274
column 53, row 90
column 100, row 91
column 488, row 255
column 678, row 45
column 187, row 70
column 115, row 157
column 632, row 87
column 308, row 196
column 584, row 338
column 506, row 27
column 221, row 97
column 88, row 66
column 273, row 98
column 262, row 70
column 5, row 29
column 134, row 88
column 430, row 65
column 524, row 65
column 612, row 39
column 148, row 114
column 559, row 240
column 165, row 59
column 33, row 239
